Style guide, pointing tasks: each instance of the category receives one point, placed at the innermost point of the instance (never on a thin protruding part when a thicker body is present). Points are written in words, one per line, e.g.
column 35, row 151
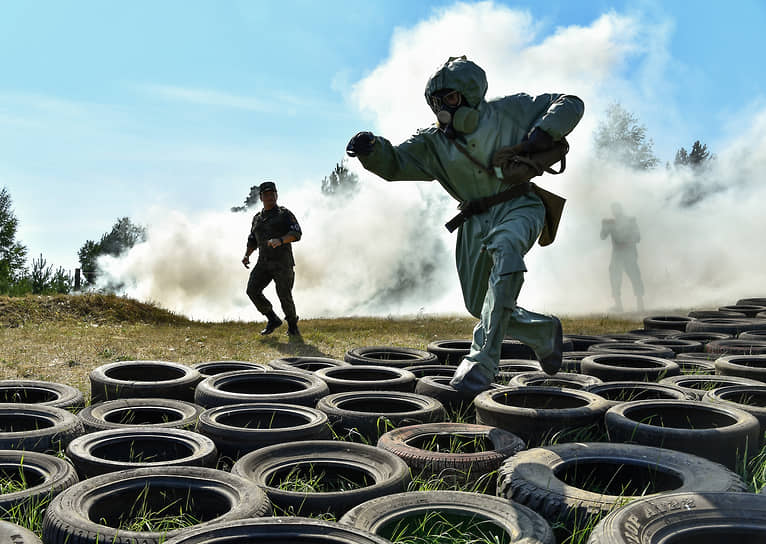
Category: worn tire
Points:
column 534, row 413
column 45, row 475
column 371, row 413
column 515, row 522
column 10, row 533
column 421, row 371
column 129, row 413
column 562, row 379
column 212, row 368
column 34, row 427
column 750, row 398
column 750, row 310
column 389, row 356
column 289, row 530
column 736, row 346
column 714, row 431
column 686, row 517
column 359, row 463
column 237, row 429
column 701, row 337
column 454, row 401
column 704, row 314
column 309, row 364
column 632, row 348
column 215, row 496
column 677, row 345
column 122, row 449
column 627, row 391
column 570, row 483
column 367, row 378
column 412, row 443
column 615, row 367
column 698, row 384
column 732, row 326
column 752, row 367
column 581, row 342
column 753, row 335
column 40, row 392
column 662, row 322
column 137, row 379
column 249, row 386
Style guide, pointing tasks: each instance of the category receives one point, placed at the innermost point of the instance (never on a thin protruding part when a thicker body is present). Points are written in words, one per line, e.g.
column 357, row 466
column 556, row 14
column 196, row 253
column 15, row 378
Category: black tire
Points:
column 142, row 379
column 678, row 345
column 211, row 496
column 237, row 429
column 632, row 348
column 309, row 364
column 10, row 533
column 449, row 352
column 628, row 337
column 686, row 517
column 536, row 413
column 494, row 517
column 701, row 337
column 130, row 413
column 389, row 356
column 292, row 530
column 34, row 427
column 541, row 379
column 662, row 322
column 421, row 371
column 574, row 482
column 513, row 349
column 429, row 450
column 368, row 414
column 142, row 447
column 753, row 335
column 372, row 471
column 736, row 346
column 750, row 398
column 44, row 476
column 627, row 391
column 367, row 378
column 615, row 367
column 750, row 310
column 698, row 384
column 726, row 325
column 752, row 367
column 704, row 314
column 758, row 301
column 248, row 386
column 211, row 368
column 656, row 333
column 40, row 392
column 581, row 342
column 714, row 431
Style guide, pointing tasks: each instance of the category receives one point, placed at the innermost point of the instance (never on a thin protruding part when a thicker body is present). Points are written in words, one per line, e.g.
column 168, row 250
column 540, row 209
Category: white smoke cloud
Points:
column 352, row 257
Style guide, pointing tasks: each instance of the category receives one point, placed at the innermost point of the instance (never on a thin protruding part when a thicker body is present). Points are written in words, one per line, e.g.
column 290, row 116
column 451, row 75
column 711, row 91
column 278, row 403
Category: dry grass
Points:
column 62, row 338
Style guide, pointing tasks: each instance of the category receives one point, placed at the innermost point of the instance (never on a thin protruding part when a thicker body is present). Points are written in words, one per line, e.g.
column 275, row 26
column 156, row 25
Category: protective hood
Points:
column 462, row 75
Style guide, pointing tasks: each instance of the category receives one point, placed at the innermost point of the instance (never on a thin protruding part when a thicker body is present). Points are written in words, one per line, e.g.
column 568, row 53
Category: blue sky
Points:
column 108, row 108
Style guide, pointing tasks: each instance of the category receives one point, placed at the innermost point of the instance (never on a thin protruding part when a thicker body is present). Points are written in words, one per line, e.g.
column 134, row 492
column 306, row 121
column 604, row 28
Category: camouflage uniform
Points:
column 274, row 263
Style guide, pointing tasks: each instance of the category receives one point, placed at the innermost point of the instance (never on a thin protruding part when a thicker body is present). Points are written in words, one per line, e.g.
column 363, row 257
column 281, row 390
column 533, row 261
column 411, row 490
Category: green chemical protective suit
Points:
column 491, row 245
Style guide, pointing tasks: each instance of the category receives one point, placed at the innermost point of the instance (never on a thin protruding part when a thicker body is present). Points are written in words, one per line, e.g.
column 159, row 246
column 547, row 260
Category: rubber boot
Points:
column 272, row 324
column 292, row 327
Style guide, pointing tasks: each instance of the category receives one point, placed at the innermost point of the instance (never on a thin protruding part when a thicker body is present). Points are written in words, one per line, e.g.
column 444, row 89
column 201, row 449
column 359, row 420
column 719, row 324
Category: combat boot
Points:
column 552, row 363
column 292, row 327
column 272, row 324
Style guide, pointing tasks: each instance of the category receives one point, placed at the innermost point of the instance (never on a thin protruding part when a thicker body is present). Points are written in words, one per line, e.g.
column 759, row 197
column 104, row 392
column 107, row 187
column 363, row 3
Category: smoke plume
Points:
column 385, row 251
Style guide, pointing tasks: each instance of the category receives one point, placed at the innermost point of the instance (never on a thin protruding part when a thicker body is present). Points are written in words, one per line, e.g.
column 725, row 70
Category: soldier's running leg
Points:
column 259, row 279
column 284, row 279
column 634, row 275
column 615, row 279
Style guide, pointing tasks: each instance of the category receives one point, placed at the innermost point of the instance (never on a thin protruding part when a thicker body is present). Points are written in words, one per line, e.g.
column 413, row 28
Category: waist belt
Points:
column 481, row 205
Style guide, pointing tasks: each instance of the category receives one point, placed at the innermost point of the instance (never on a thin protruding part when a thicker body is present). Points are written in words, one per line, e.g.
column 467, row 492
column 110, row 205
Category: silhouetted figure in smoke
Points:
column 272, row 231
column 625, row 235
column 500, row 222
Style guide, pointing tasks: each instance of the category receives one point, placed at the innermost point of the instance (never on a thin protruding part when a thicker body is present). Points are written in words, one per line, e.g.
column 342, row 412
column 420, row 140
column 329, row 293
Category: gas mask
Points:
column 452, row 115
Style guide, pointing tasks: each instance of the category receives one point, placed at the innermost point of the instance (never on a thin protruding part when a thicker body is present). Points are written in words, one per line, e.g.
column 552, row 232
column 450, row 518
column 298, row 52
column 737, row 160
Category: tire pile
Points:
column 635, row 441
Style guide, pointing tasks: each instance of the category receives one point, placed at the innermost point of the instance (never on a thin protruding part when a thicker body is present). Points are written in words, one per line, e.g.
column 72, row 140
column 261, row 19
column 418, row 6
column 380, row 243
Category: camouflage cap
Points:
column 267, row 186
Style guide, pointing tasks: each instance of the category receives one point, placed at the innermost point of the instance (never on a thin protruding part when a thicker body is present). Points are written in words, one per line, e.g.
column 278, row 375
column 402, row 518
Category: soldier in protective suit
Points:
column 490, row 244
column 273, row 230
column 625, row 235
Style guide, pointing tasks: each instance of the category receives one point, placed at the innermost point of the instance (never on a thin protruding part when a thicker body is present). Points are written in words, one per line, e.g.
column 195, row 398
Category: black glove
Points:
column 361, row 144
column 537, row 140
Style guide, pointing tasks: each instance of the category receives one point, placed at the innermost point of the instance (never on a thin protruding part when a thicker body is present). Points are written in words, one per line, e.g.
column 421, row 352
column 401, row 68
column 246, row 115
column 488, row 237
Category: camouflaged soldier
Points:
column 274, row 228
